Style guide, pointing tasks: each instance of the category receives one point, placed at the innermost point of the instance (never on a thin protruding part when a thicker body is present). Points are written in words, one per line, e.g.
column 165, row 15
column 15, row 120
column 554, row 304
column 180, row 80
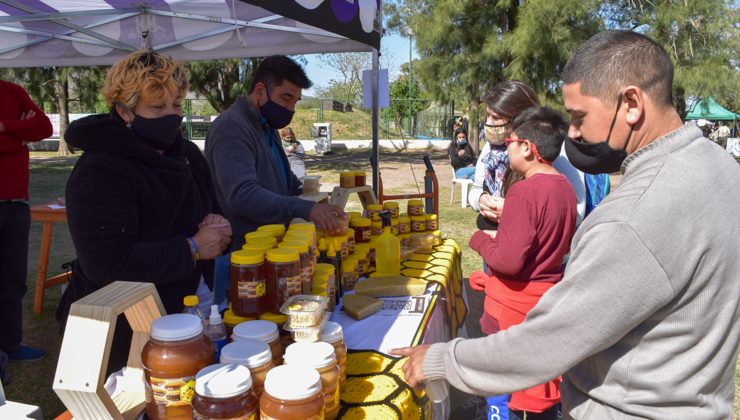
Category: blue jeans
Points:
column 465, row 173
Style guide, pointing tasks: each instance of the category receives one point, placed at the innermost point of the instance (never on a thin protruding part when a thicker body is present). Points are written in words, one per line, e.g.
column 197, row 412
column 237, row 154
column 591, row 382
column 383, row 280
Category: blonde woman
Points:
column 294, row 151
column 140, row 200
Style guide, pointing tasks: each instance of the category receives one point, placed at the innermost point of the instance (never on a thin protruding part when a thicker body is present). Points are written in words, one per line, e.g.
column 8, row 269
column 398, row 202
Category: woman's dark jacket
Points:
column 468, row 158
column 129, row 210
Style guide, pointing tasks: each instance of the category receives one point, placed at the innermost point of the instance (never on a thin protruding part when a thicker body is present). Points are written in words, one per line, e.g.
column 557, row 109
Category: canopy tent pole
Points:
column 375, row 114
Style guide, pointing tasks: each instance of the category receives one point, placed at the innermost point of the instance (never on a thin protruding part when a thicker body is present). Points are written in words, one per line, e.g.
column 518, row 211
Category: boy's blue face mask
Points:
column 277, row 116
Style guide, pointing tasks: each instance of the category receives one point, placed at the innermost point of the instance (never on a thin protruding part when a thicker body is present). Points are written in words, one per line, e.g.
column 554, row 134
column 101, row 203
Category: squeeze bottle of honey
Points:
column 387, row 250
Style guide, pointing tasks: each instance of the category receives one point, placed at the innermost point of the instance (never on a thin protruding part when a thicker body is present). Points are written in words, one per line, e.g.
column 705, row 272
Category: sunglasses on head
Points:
column 509, row 140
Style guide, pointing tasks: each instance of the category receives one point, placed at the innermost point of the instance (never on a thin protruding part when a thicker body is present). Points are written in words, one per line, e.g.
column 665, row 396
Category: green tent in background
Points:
column 710, row 110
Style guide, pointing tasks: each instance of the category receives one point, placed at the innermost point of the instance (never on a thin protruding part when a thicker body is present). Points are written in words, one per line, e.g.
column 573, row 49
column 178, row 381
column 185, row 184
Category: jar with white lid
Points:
column 292, row 393
column 320, row 356
column 252, row 354
column 224, row 391
column 333, row 334
column 175, row 352
column 264, row 331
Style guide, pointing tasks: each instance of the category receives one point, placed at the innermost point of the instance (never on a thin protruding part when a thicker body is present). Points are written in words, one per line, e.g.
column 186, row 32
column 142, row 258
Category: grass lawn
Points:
column 32, row 382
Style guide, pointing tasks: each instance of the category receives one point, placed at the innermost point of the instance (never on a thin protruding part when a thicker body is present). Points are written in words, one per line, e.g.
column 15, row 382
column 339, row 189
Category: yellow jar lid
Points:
column 352, row 215
column 282, row 255
column 299, row 235
column 377, row 223
column 275, row 229
column 374, row 207
column 361, row 173
column 390, row 205
column 437, row 233
column 190, row 300
column 416, row 203
column 361, row 222
column 431, row 217
column 264, row 240
column 257, row 247
column 347, row 174
column 300, row 247
column 233, row 319
column 324, row 267
column 279, row 319
column 302, row 226
column 404, row 219
column 247, row 257
column 249, row 236
column 421, row 218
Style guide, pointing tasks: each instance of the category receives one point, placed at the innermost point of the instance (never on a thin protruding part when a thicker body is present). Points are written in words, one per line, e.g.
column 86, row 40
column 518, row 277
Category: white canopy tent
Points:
column 38, row 33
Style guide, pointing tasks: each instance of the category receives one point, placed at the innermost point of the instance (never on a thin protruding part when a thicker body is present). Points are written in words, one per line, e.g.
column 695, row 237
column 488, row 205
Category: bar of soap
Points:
column 391, row 286
column 360, row 307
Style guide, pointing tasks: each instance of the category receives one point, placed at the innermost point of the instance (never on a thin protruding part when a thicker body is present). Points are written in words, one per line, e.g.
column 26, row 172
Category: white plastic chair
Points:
column 464, row 184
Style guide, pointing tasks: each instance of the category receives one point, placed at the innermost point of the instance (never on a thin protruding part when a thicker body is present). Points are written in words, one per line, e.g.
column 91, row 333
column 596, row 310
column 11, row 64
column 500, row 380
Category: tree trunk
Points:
column 473, row 133
column 62, row 85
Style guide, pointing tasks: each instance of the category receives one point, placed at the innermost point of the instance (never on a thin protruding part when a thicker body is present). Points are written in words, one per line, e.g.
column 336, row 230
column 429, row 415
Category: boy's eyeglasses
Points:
column 509, row 140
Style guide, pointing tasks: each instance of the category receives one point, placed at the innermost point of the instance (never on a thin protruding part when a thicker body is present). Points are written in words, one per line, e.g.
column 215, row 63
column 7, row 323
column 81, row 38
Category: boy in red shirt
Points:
column 524, row 258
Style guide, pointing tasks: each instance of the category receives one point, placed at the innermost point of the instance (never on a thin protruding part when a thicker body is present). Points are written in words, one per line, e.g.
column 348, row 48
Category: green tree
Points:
column 403, row 100
column 222, row 81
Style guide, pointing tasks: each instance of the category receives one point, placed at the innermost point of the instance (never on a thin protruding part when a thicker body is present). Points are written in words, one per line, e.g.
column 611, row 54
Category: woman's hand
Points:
column 491, row 207
column 213, row 236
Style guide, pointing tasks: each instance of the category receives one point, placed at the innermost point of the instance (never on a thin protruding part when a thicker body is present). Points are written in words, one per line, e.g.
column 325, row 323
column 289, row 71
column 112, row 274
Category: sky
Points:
column 394, row 46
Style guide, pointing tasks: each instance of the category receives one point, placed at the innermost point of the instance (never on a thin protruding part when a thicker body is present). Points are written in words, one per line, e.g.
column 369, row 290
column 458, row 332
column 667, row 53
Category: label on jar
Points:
column 293, row 284
column 366, row 233
column 169, row 392
column 251, row 289
column 431, row 225
column 404, row 227
column 418, row 226
column 251, row 416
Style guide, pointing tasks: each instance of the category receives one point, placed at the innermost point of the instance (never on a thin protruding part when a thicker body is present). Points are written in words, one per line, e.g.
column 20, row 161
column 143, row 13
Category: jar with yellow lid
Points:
column 352, row 215
column 415, row 208
column 371, row 251
column 320, row 356
column 350, row 240
column 307, row 227
column 248, row 288
column 253, row 354
column 276, row 229
column 346, row 179
column 280, row 320
column 373, row 211
column 404, row 224
column 265, row 331
column 362, row 228
column 270, row 241
column 437, row 237
column 348, row 273
column 292, row 392
column 250, row 236
column 360, row 178
column 432, row 222
column 325, row 276
column 302, row 249
column 283, row 276
column 231, row 320
column 305, row 236
column 405, row 239
column 224, row 391
column 258, row 247
column 377, row 227
column 395, row 226
column 418, row 223
column 333, row 334
column 361, row 251
column 391, row 206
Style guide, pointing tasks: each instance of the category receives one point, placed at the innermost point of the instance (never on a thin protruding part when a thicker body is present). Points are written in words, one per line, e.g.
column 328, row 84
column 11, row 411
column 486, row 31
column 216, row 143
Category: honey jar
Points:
column 302, row 249
column 348, row 273
column 432, row 222
column 175, row 352
column 320, row 356
column 347, row 179
column 276, row 229
column 362, row 228
column 248, row 288
column 391, row 206
column 283, row 276
column 292, row 392
column 373, row 211
column 254, row 355
column 279, row 320
column 224, row 392
column 333, row 334
column 264, row 331
column 360, row 178
column 415, row 208
column 418, row 223
column 231, row 320
column 404, row 225
column 377, row 227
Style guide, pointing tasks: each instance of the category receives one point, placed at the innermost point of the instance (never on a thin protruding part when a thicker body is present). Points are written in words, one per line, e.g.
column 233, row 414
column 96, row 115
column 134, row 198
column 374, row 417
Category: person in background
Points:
column 644, row 323
column 21, row 122
column 140, row 201
column 254, row 184
column 525, row 256
column 461, row 155
column 294, row 151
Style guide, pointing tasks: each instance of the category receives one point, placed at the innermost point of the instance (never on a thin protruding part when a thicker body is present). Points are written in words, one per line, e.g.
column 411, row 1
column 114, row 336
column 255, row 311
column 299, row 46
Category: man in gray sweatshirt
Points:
column 644, row 323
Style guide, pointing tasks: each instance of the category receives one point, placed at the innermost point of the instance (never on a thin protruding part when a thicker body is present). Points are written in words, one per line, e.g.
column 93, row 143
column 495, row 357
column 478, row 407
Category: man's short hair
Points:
column 543, row 126
column 275, row 69
column 612, row 60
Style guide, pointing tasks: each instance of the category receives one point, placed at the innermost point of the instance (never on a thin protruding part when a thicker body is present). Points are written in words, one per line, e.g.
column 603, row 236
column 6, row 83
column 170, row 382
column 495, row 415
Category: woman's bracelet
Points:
column 193, row 249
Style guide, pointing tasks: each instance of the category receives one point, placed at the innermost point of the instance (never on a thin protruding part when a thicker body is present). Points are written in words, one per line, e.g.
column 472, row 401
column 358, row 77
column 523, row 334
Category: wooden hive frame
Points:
column 83, row 358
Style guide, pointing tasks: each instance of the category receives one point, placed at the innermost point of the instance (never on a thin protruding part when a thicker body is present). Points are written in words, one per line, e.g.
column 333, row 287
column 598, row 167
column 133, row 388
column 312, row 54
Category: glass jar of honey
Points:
column 333, row 334
column 350, row 241
column 415, row 208
column 264, row 331
column 362, row 228
column 373, row 211
column 276, row 229
column 404, row 225
column 254, row 355
column 249, row 237
column 320, row 356
column 248, row 289
column 175, row 352
column 360, row 178
column 432, row 222
column 283, row 276
column 347, row 179
column 224, row 392
column 292, row 392
column 279, row 320
column 377, row 227
column 418, row 223
column 348, row 273
column 302, row 249
column 231, row 320
column 395, row 226
column 391, row 206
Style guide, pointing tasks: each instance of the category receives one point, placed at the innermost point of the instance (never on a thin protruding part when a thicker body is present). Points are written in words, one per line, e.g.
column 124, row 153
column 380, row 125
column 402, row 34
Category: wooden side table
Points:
column 47, row 216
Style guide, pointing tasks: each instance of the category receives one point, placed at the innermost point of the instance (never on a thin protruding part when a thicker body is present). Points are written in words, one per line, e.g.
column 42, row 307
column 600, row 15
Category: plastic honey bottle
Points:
column 334, row 258
column 388, row 250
